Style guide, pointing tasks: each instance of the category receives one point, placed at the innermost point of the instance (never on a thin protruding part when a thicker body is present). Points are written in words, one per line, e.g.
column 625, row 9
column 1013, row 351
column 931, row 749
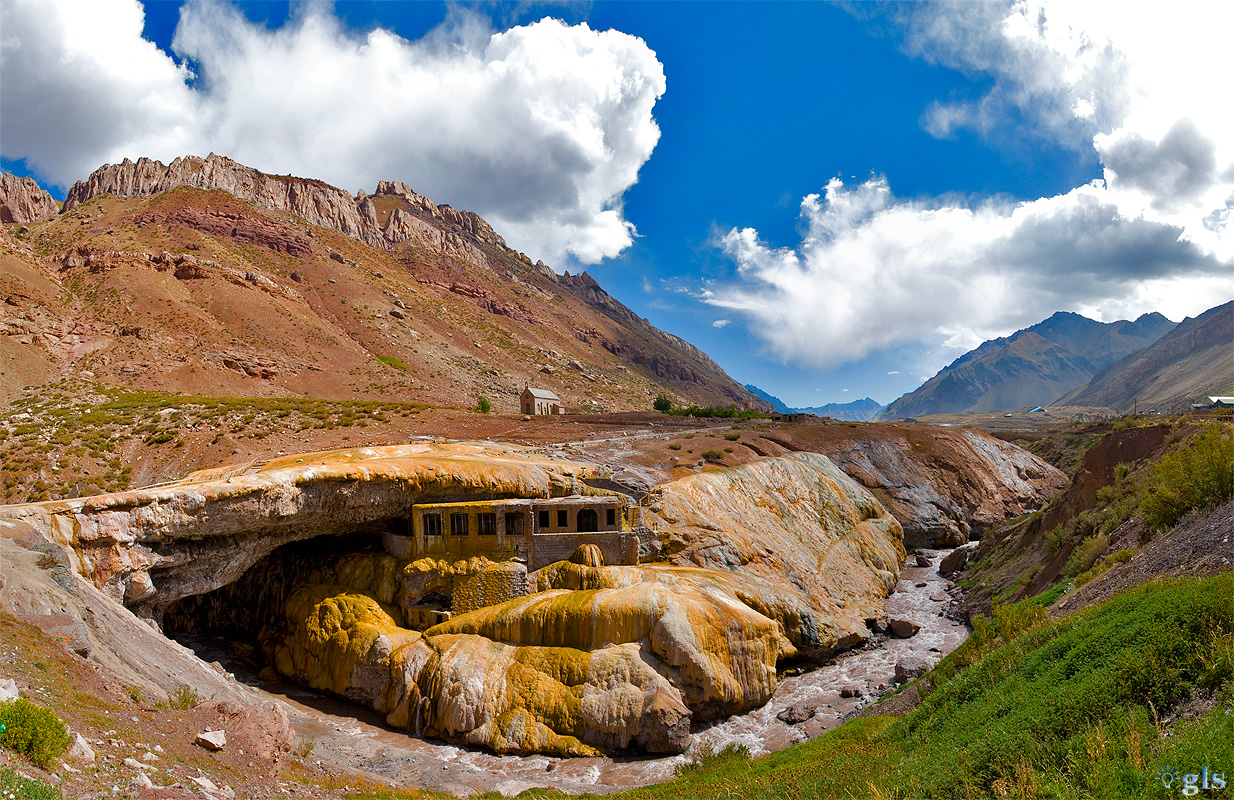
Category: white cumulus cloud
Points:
column 540, row 128
column 1144, row 89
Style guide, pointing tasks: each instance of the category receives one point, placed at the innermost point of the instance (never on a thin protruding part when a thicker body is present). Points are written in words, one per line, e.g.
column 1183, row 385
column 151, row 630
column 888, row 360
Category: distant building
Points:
column 792, row 417
column 540, row 401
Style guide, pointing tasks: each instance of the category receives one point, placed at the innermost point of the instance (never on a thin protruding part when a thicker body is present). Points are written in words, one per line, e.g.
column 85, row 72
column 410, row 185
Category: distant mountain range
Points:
column 1191, row 362
column 1034, row 366
column 862, row 410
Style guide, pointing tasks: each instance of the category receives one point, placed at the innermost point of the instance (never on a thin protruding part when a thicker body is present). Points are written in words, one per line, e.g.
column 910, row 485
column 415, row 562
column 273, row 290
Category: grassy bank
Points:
column 1090, row 706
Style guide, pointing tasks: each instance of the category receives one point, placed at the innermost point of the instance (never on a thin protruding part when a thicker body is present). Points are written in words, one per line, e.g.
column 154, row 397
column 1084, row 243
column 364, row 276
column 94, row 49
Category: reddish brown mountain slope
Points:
column 209, row 277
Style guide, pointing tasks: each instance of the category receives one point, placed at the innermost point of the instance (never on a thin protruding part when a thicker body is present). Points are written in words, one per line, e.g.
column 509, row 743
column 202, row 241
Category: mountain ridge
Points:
column 162, row 277
column 1033, row 366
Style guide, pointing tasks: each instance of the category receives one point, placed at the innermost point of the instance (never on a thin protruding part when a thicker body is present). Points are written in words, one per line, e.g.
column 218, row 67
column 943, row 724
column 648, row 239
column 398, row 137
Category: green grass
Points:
column 1194, row 477
column 15, row 786
column 1070, row 709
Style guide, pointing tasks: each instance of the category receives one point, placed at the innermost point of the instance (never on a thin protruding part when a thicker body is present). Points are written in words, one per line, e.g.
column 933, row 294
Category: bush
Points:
column 1194, row 477
column 712, row 455
column 1085, row 555
column 184, row 698
column 32, row 731
column 662, row 403
column 482, row 405
column 732, row 437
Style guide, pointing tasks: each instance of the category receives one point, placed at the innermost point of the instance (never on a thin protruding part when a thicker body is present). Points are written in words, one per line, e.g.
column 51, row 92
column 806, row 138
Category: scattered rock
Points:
column 295, row 276
column 911, row 667
column 953, row 562
column 135, row 764
column 212, row 740
column 920, row 584
column 851, row 691
column 331, row 280
column 8, row 690
column 547, row 369
column 922, row 560
column 397, row 313
column 938, row 597
column 796, row 714
column 904, row 628
column 205, row 783
column 877, row 625
column 336, row 257
column 80, row 749
column 142, row 781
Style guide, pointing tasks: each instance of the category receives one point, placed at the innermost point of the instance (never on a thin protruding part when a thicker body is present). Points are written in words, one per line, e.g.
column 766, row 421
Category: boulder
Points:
column 922, row 560
column 953, row 562
column 211, row 740
column 852, row 690
column 911, row 667
column 903, row 628
column 8, row 690
column 80, row 749
column 796, row 714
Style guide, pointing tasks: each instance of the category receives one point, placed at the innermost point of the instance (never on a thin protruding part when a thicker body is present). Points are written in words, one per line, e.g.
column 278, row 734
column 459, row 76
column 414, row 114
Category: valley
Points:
column 265, row 472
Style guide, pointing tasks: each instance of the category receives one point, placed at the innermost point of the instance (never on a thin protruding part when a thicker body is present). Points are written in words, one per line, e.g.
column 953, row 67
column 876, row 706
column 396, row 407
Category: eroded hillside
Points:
column 212, row 278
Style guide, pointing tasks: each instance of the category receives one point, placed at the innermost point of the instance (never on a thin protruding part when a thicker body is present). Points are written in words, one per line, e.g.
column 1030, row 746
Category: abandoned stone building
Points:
column 540, row 401
column 520, row 535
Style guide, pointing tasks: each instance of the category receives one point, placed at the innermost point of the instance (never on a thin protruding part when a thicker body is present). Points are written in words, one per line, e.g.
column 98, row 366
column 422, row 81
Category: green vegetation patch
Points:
column 1070, row 709
column 32, row 731
column 1195, row 477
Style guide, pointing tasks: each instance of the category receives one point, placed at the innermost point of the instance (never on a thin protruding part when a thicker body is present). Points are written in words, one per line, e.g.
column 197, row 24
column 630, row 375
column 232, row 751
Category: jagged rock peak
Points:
column 316, row 201
column 23, row 200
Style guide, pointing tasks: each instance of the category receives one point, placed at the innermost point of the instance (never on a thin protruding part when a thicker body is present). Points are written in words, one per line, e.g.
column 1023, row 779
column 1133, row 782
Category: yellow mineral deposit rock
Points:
column 795, row 521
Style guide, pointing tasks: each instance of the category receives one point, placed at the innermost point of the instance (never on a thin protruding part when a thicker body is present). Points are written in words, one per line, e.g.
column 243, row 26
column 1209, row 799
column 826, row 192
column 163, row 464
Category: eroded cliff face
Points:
column 796, row 521
column 149, row 547
column 23, row 200
column 321, row 204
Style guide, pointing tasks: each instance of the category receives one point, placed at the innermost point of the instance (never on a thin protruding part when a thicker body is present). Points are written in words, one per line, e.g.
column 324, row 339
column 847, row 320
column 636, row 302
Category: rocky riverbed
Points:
column 802, row 707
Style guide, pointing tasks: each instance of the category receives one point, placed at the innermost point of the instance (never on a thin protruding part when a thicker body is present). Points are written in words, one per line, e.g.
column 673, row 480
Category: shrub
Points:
column 712, row 455
column 732, row 437
column 674, row 446
column 662, row 403
column 1196, row 476
column 482, row 404
column 1085, row 555
column 391, row 361
column 183, row 698
column 32, row 731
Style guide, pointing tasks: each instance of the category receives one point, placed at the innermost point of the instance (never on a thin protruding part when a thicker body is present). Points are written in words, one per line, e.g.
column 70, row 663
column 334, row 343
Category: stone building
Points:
column 540, row 401
column 538, row 531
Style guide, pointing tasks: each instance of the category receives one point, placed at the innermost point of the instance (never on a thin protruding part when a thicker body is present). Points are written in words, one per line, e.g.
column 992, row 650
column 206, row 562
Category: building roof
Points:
column 1225, row 401
column 543, row 394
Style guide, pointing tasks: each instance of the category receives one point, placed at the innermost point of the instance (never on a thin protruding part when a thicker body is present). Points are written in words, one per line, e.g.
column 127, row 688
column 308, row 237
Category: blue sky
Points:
column 832, row 201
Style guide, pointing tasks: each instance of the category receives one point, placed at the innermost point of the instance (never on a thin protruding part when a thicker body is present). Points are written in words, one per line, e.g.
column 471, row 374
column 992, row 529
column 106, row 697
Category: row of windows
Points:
column 486, row 524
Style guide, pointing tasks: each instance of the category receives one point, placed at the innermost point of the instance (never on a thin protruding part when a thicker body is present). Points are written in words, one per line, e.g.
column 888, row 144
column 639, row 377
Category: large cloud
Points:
column 1145, row 90
column 873, row 272
column 540, row 128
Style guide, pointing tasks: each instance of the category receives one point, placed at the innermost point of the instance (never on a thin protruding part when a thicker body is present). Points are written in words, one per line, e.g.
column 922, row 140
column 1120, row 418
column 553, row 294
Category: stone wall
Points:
column 618, row 547
column 489, row 586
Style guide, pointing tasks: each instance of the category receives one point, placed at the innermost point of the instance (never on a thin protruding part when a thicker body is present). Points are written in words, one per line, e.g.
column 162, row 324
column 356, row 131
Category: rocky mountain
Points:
column 21, row 200
column 861, row 410
column 1191, row 362
column 209, row 277
column 1034, row 366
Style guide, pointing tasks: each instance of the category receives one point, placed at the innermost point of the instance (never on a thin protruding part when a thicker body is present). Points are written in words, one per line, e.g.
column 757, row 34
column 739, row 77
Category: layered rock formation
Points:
column 150, row 547
column 314, row 200
column 944, row 485
column 595, row 658
column 22, row 200
column 796, row 521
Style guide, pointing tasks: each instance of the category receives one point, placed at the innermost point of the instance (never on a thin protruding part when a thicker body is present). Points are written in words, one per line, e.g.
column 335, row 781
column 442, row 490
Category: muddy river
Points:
column 346, row 735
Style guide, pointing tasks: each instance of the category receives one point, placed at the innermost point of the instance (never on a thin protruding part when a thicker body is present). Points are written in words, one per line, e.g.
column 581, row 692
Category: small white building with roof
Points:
column 540, row 401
